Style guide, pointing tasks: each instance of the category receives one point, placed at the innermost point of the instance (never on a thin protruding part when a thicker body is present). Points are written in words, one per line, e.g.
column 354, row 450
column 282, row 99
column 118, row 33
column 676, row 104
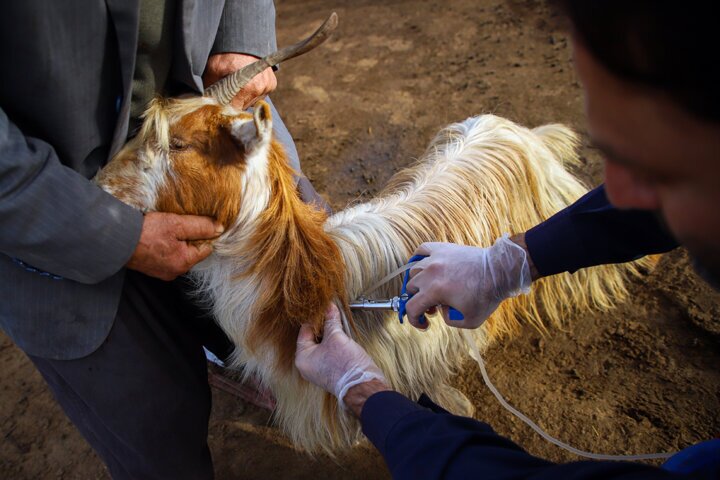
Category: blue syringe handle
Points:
column 455, row 314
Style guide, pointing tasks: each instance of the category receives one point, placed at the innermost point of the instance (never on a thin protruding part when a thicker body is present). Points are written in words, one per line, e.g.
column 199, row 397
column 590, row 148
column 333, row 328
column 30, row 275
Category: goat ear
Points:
column 250, row 134
column 262, row 117
column 244, row 133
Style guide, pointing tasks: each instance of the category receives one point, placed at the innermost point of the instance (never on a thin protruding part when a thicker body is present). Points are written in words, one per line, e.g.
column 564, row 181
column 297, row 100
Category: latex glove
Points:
column 337, row 363
column 472, row 280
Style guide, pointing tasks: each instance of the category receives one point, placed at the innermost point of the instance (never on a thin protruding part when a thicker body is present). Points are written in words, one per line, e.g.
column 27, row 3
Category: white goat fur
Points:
column 478, row 179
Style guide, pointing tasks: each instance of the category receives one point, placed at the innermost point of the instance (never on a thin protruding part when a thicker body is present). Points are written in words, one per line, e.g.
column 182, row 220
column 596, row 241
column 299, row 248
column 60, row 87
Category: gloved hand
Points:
column 337, row 363
column 472, row 280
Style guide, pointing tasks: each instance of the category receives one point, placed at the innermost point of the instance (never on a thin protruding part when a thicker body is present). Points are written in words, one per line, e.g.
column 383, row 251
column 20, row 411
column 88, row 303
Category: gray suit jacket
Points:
column 67, row 70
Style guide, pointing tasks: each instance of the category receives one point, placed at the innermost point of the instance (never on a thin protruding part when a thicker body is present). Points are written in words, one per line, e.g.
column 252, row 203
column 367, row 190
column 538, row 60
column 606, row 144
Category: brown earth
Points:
column 641, row 378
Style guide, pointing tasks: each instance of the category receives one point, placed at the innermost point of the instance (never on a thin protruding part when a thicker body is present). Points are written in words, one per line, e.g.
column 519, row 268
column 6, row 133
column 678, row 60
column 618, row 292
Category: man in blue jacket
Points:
column 653, row 108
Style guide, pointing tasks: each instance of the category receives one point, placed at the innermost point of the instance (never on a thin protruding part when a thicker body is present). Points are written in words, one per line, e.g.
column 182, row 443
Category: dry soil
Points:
column 641, row 378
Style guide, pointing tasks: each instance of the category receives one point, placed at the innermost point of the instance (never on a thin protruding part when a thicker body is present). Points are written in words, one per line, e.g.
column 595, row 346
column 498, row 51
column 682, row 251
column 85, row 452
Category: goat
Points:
column 281, row 261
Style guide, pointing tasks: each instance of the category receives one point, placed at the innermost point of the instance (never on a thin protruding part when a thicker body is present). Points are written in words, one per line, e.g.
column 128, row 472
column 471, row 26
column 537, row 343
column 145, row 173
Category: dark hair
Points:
column 669, row 45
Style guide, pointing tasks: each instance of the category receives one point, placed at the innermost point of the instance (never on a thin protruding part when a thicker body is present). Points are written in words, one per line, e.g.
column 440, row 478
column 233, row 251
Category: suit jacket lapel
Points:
column 183, row 54
column 197, row 27
column 124, row 16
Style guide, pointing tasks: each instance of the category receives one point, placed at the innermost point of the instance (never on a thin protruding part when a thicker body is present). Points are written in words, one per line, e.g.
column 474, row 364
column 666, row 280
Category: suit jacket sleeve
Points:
column 592, row 232
column 56, row 220
column 247, row 26
column 424, row 441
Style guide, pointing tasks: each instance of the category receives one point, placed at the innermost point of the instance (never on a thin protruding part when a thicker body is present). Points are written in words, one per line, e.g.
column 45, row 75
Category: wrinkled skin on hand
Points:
column 170, row 244
column 222, row 64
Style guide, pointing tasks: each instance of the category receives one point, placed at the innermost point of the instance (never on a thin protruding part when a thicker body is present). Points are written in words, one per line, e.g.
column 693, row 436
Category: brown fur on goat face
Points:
column 194, row 156
column 189, row 158
column 207, row 164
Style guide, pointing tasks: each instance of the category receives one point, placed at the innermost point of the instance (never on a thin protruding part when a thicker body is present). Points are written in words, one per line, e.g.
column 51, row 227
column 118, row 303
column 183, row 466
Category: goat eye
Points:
column 177, row 144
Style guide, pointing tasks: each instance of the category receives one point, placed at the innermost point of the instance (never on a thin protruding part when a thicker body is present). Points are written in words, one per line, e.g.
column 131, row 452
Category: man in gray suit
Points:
column 121, row 350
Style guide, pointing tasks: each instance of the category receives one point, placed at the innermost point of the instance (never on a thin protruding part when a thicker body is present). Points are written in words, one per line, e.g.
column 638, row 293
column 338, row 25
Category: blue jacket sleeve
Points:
column 593, row 232
column 424, row 441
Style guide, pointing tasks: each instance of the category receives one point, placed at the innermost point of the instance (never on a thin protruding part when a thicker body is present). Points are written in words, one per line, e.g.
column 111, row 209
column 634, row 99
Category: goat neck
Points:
column 293, row 266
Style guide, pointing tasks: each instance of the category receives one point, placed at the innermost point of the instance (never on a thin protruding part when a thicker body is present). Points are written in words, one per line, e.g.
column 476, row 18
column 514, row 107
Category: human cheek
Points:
column 626, row 190
column 692, row 217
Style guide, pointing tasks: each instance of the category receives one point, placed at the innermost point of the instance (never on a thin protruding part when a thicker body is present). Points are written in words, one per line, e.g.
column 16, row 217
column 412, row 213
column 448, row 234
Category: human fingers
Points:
column 332, row 321
column 220, row 65
column 418, row 267
column 415, row 282
column 193, row 227
column 418, row 305
column 196, row 253
column 426, row 278
column 423, row 249
column 332, row 311
column 252, row 101
column 306, row 338
column 178, row 259
column 258, row 88
column 244, row 100
column 265, row 83
column 427, row 248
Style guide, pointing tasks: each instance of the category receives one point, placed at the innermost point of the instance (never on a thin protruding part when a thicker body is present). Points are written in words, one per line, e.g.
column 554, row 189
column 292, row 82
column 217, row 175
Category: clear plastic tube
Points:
column 475, row 354
column 389, row 277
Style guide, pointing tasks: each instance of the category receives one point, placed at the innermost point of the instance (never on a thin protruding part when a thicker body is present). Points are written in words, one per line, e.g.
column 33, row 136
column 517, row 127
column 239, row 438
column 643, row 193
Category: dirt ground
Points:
column 641, row 378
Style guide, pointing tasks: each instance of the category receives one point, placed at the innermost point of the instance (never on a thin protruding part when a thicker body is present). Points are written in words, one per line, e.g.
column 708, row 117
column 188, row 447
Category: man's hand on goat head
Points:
column 171, row 244
column 223, row 64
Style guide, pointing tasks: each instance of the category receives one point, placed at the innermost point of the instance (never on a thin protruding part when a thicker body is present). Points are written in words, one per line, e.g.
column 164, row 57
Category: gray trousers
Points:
column 142, row 399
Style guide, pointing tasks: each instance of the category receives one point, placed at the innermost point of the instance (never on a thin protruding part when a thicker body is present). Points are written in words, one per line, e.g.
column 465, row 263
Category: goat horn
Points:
column 226, row 89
